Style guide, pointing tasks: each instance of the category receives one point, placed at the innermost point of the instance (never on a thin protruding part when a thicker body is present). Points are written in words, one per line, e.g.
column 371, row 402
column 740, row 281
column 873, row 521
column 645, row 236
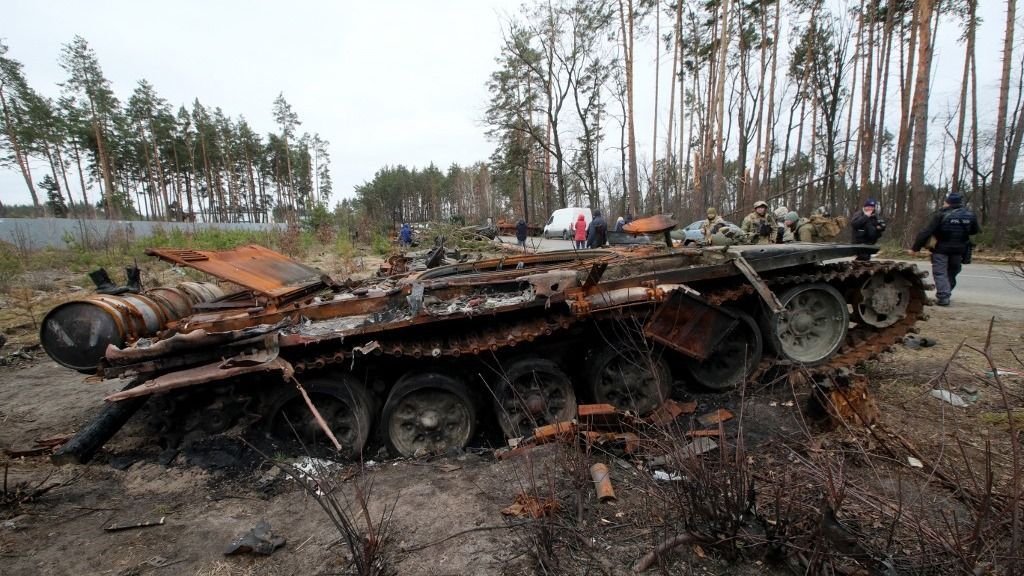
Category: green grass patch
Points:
column 1002, row 420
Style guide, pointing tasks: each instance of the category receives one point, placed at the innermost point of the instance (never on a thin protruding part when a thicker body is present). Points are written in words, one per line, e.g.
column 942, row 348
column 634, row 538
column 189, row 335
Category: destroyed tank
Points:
column 420, row 361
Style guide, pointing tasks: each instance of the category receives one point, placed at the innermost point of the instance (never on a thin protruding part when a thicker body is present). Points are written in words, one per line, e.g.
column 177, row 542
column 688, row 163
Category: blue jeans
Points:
column 945, row 267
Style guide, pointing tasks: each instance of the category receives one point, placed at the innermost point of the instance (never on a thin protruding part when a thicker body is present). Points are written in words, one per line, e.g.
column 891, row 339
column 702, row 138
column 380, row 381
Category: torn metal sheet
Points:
column 651, row 225
column 254, row 267
column 690, row 325
column 201, row 375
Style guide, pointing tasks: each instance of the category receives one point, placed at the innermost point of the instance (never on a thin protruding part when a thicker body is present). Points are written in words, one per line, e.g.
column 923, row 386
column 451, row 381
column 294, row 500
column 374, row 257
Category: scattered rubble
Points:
column 260, row 540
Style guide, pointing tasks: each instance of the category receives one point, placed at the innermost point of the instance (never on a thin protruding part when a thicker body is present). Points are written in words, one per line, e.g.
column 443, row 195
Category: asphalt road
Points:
column 980, row 283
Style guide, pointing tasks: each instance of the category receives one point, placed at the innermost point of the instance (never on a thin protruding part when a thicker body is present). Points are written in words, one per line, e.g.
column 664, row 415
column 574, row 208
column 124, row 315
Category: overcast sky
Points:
column 389, row 82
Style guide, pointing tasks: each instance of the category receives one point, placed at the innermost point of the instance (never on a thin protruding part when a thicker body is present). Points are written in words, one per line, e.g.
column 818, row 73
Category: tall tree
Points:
column 13, row 91
column 86, row 81
column 287, row 120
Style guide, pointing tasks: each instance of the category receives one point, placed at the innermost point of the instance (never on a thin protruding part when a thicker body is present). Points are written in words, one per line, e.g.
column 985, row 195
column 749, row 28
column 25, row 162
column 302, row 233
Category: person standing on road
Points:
column 619, row 223
column 952, row 228
column 521, row 232
column 867, row 226
column 597, row 233
column 580, row 235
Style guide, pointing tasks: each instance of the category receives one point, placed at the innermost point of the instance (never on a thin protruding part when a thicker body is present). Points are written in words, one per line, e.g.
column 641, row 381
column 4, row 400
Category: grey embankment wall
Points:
column 36, row 233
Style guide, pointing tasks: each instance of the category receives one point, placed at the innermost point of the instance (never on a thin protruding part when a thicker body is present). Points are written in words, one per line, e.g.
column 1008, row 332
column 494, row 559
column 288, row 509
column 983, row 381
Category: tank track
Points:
column 862, row 342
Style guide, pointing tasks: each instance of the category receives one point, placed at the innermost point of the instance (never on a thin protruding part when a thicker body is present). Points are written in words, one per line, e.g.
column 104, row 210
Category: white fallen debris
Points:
column 663, row 476
column 951, row 398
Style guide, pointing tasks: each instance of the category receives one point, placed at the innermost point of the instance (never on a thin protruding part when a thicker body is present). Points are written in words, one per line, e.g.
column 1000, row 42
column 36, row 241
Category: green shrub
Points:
column 380, row 244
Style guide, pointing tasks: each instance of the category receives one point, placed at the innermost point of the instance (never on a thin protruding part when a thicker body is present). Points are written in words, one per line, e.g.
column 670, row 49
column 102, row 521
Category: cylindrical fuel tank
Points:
column 76, row 334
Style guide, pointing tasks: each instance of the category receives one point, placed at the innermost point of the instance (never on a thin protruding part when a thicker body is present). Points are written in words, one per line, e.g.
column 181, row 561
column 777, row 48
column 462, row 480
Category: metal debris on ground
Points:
column 720, row 415
column 699, row 446
column 260, row 540
column 134, row 525
column 529, row 506
column 669, row 411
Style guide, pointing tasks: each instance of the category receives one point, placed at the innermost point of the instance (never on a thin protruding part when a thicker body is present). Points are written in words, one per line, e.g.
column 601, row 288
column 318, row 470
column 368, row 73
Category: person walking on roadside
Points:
column 580, row 235
column 597, row 233
column 405, row 236
column 521, row 230
column 951, row 228
column 867, row 226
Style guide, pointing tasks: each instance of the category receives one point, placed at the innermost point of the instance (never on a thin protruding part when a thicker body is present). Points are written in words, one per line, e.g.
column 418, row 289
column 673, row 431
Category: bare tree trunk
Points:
column 669, row 168
column 906, row 122
column 770, row 141
column 867, row 128
column 924, row 62
column 654, row 195
column 723, row 52
column 962, row 110
column 108, row 181
column 81, row 179
column 64, row 174
column 881, row 95
column 975, row 188
column 998, row 158
column 626, row 24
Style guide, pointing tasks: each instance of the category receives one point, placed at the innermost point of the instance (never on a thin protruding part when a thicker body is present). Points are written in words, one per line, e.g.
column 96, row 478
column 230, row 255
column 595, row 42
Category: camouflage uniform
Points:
column 804, row 231
column 709, row 227
column 754, row 225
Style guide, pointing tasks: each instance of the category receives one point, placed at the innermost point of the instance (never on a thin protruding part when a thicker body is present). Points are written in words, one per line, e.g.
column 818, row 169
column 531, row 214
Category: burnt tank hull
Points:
column 422, row 360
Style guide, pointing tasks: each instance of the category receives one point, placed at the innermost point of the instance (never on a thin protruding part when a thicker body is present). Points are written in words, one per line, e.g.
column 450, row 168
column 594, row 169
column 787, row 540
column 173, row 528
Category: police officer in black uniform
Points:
column 952, row 228
column 867, row 226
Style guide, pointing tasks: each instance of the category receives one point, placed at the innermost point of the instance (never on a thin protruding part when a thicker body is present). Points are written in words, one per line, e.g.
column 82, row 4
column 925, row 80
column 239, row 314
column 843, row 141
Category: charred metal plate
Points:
column 254, row 267
column 651, row 225
column 690, row 326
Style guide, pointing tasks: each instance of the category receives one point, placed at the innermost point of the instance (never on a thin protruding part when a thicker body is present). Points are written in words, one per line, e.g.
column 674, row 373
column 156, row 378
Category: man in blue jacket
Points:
column 405, row 236
column 952, row 228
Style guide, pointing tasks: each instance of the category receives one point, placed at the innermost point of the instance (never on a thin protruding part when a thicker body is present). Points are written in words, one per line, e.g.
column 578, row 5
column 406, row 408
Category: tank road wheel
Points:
column 629, row 378
column 733, row 361
column 428, row 411
column 812, row 324
column 342, row 402
column 882, row 300
column 533, row 392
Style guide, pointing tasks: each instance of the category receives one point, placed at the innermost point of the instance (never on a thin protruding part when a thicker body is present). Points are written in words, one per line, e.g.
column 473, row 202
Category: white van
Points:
column 562, row 223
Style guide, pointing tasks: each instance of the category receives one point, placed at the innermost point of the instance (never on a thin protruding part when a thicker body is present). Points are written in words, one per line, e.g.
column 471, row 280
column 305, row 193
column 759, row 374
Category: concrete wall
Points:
column 36, row 233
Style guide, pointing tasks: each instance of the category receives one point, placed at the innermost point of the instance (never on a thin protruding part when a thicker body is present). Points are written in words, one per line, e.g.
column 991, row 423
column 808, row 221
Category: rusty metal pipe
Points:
column 602, row 482
column 76, row 334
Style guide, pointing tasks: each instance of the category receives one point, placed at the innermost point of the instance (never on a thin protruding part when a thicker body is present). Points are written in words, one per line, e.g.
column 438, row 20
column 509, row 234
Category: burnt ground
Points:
column 212, row 494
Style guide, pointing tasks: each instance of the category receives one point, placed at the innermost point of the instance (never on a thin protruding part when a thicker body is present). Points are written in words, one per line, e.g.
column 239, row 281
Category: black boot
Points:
column 104, row 285
column 134, row 275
